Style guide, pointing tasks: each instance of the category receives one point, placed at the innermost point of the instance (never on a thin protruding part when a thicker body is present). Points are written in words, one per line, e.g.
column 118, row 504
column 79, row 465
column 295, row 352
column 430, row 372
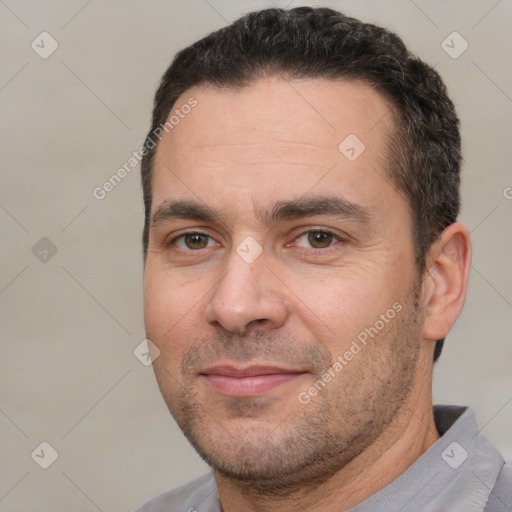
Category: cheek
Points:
column 338, row 308
column 169, row 310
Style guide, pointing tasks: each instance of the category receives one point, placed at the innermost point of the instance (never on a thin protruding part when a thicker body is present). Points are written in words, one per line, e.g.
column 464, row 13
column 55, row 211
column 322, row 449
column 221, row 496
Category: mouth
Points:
column 251, row 381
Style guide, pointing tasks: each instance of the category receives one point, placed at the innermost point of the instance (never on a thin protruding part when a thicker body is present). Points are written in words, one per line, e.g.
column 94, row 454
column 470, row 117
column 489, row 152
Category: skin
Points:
column 302, row 302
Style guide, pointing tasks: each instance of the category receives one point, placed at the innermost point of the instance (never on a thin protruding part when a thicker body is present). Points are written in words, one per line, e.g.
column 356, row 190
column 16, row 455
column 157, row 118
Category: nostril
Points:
column 250, row 326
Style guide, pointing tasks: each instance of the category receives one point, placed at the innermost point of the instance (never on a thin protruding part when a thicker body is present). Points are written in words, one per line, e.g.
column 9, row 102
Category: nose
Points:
column 249, row 297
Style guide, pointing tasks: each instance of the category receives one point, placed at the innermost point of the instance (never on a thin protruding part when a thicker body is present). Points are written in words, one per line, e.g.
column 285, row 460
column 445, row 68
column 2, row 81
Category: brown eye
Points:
column 196, row 240
column 320, row 239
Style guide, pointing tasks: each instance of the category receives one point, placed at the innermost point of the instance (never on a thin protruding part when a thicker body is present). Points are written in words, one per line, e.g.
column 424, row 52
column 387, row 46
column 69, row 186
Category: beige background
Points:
column 69, row 325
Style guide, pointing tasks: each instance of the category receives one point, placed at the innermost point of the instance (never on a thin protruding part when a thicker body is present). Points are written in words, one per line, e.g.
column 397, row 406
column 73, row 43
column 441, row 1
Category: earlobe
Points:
column 445, row 281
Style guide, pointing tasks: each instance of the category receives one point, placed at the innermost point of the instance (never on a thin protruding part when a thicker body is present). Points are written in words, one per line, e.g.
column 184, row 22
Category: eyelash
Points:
column 174, row 240
column 315, row 250
column 336, row 239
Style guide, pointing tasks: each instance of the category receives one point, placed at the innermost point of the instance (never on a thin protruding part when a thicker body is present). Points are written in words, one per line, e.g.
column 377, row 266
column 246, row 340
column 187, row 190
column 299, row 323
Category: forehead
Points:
column 276, row 138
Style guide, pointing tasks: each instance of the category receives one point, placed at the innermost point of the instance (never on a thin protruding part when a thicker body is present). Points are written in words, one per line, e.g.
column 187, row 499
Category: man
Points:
column 303, row 265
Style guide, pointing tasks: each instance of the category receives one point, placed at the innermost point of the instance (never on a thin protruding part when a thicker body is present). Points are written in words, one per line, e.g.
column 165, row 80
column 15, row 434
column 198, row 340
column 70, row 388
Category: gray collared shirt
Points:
column 458, row 473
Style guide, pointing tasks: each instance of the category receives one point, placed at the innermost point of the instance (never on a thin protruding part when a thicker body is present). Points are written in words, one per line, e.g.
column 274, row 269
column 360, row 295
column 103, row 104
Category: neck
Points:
column 410, row 434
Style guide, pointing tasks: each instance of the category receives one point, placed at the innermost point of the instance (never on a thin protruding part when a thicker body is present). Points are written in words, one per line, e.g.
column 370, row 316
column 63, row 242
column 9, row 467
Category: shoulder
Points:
column 501, row 494
column 196, row 496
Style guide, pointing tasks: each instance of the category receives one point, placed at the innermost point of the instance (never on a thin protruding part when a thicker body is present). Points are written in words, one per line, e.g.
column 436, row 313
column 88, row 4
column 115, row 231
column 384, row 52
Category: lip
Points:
column 251, row 381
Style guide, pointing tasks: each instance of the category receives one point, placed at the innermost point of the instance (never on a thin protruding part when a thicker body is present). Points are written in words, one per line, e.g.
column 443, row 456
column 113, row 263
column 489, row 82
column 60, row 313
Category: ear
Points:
column 446, row 280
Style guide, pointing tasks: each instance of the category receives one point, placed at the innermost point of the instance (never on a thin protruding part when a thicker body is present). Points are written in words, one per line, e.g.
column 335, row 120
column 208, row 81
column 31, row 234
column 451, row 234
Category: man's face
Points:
column 280, row 285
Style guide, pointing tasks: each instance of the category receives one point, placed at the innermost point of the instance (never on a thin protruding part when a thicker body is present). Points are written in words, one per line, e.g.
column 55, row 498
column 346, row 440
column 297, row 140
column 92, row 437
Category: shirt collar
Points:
column 455, row 473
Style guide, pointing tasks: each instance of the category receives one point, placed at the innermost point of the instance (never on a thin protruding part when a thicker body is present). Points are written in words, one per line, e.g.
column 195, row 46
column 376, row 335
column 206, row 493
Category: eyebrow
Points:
column 332, row 206
column 171, row 210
